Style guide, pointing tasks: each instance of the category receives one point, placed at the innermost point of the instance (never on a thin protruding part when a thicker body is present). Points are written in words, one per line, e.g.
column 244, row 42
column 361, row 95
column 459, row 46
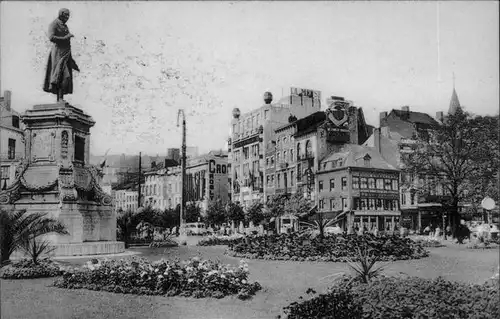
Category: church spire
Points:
column 454, row 103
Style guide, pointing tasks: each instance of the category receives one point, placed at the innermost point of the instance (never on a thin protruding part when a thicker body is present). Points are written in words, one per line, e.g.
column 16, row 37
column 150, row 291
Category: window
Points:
column 367, row 161
column 284, row 156
column 320, row 186
column 79, row 148
column 237, row 156
column 15, row 121
column 272, row 161
column 363, row 203
column 298, row 151
column 278, row 180
column 245, row 153
column 4, row 176
column 371, row 204
column 332, row 185
column 388, row 184
column 371, row 183
column 309, row 152
column 299, row 172
column 278, row 158
column 380, row 183
column 395, row 184
column 267, row 161
column 355, row 182
column 321, row 204
column 332, row 204
column 266, row 114
column 344, row 203
column 12, row 149
column 291, row 178
column 344, row 183
column 364, row 183
column 291, row 155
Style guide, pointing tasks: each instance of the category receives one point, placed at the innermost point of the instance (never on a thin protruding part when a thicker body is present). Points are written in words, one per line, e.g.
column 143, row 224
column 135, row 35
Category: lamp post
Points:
column 183, row 171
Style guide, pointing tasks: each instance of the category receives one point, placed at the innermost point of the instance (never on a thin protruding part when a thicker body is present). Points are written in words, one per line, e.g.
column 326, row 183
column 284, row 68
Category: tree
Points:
column 255, row 213
column 169, row 218
column 193, row 213
column 457, row 155
column 297, row 205
column 126, row 223
column 22, row 230
column 275, row 206
column 234, row 212
column 216, row 213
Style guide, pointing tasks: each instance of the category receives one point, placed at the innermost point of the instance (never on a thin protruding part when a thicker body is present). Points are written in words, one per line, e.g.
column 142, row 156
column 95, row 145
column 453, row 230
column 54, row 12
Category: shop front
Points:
column 383, row 222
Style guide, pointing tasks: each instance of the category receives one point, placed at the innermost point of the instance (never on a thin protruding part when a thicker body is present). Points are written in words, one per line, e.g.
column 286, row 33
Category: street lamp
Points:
column 183, row 171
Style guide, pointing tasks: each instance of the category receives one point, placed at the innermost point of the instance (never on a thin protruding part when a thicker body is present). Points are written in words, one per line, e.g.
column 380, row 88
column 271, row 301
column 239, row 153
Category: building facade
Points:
column 421, row 197
column 252, row 137
column 12, row 145
column 359, row 189
column 126, row 200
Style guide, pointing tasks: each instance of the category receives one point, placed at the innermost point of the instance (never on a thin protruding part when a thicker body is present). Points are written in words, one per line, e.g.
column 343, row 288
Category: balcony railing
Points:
column 11, row 157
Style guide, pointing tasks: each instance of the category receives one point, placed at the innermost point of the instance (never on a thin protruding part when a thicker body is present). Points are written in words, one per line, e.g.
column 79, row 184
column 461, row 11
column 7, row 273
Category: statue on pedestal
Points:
column 60, row 64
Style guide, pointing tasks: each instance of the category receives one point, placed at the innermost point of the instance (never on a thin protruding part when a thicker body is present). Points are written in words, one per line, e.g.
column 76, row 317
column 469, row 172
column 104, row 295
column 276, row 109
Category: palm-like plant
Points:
column 363, row 265
column 22, row 230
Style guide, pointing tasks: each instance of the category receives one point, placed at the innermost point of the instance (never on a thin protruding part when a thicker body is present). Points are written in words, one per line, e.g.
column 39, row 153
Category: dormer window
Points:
column 367, row 160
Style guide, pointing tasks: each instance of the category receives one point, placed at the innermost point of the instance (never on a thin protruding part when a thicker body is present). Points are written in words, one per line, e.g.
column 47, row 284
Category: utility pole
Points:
column 139, row 182
column 183, row 170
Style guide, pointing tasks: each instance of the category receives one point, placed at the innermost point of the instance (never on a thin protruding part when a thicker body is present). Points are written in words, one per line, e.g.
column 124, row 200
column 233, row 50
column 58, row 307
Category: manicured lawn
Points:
column 283, row 282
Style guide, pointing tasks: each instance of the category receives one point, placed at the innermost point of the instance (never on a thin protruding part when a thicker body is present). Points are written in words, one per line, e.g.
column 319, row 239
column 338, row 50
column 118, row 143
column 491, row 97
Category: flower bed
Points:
column 215, row 240
column 196, row 278
column 391, row 298
column 475, row 244
column 336, row 248
column 426, row 241
column 164, row 243
column 26, row 269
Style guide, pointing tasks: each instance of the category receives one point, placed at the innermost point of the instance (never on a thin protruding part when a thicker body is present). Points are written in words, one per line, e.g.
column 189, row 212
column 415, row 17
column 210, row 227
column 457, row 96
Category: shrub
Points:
column 26, row 269
column 426, row 241
column 337, row 303
column 219, row 240
column 197, row 278
column 394, row 298
column 336, row 248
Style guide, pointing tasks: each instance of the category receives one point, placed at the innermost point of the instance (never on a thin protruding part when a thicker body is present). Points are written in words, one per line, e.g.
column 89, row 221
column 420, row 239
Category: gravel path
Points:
column 283, row 282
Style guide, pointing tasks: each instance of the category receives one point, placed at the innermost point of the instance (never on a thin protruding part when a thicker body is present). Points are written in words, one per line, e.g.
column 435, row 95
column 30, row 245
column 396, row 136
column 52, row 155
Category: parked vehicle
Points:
column 196, row 229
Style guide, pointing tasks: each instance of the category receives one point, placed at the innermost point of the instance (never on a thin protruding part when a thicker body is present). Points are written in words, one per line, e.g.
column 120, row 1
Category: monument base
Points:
column 89, row 248
column 82, row 249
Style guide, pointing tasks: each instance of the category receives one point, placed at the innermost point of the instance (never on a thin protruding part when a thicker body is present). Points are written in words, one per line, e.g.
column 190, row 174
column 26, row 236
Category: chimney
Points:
column 383, row 115
column 385, row 131
column 7, row 98
column 440, row 116
column 405, row 108
column 376, row 139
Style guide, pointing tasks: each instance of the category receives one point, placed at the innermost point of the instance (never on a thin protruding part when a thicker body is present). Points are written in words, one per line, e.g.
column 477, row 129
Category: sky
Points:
column 143, row 61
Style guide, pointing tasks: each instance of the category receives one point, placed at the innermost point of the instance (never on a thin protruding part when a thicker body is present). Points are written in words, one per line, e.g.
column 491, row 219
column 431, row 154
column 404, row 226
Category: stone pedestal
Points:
column 55, row 177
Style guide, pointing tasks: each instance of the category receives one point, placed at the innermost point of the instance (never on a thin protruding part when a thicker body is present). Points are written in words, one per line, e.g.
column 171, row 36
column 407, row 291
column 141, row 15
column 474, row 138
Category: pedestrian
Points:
column 427, row 230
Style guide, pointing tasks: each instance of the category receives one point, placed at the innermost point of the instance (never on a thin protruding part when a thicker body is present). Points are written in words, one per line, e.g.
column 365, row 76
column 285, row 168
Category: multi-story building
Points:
column 126, row 199
column 359, row 188
column 206, row 181
column 11, row 140
column 396, row 136
column 252, row 136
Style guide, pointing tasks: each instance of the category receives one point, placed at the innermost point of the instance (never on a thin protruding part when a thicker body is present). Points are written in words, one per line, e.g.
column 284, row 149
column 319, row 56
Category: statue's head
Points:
column 64, row 14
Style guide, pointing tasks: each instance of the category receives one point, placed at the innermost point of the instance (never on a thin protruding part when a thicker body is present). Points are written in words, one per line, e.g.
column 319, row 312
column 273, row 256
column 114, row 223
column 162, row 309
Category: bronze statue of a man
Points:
column 60, row 65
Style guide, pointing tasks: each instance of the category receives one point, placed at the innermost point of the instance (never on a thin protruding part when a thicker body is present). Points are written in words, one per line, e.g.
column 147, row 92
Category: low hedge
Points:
column 26, row 269
column 333, row 248
column 395, row 298
column 196, row 278
column 217, row 240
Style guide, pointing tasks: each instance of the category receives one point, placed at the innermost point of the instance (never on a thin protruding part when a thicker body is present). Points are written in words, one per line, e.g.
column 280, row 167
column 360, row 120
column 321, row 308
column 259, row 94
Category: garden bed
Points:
column 332, row 248
column 217, row 240
column 26, row 269
column 196, row 278
column 394, row 298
